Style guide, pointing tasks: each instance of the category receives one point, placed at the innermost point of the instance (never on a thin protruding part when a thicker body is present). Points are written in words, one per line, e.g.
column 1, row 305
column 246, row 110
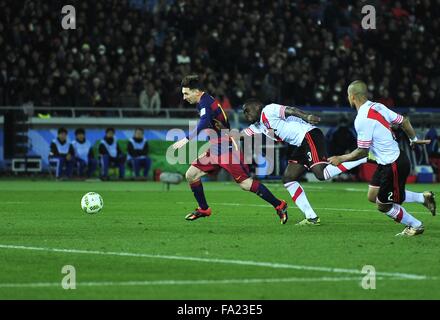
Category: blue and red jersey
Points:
column 212, row 116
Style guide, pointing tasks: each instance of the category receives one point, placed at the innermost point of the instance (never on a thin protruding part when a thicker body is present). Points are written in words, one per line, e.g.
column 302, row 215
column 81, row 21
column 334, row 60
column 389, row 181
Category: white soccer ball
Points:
column 92, row 203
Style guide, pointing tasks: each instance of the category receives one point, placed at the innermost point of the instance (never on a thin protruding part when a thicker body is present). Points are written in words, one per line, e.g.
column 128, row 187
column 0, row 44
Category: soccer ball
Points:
column 92, row 203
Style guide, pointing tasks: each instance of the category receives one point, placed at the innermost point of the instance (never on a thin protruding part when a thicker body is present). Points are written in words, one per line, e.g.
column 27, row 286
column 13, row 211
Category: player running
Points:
column 224, row 155
column 373, row 126
column 296, row 127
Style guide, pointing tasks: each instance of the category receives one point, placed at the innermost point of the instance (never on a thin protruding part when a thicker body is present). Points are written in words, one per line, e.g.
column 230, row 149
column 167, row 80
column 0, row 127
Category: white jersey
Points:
column 274, row 124
column 373, row 127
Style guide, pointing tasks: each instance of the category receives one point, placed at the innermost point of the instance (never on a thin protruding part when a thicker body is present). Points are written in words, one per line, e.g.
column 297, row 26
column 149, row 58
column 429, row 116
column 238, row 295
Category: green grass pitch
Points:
column 140, row 246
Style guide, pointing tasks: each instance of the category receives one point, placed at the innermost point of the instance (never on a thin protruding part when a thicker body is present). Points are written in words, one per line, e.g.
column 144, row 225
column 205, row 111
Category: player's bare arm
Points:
column 411, row 133
column 357, row 154
column 310, row 118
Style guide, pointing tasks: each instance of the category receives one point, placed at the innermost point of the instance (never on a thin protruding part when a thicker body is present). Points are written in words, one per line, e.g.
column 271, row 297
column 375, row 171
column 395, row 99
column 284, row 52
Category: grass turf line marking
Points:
column 269, row 206
column 215, row 260
column 189, row 282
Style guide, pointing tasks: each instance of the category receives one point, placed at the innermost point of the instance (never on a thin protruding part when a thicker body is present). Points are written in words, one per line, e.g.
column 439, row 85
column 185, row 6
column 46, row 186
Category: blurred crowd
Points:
column 133, row 53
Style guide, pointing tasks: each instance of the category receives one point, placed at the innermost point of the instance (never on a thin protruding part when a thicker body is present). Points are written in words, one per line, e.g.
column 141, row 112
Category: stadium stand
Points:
column 126, row 59
column 299, row 52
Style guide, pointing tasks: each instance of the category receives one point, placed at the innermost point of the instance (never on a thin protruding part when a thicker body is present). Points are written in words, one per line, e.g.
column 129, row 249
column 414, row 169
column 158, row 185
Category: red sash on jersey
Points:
column 376, row 115
column 267, row 124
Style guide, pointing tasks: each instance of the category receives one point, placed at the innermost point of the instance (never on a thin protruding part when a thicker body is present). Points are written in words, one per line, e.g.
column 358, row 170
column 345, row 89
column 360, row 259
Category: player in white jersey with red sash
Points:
column 387, row 188
column 295, row 127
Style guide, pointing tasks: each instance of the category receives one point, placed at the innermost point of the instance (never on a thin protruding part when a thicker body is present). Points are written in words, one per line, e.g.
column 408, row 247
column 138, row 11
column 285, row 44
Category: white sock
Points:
column 399, row 214
column 414, row 197
column 299, row 197
column 330, row 171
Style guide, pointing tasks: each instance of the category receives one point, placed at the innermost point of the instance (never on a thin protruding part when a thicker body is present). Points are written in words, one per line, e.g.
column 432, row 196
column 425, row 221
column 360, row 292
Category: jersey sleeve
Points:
column 364, row 131
column 275, row 111
column 204, row 122
column 391, row 116
column 251, row 130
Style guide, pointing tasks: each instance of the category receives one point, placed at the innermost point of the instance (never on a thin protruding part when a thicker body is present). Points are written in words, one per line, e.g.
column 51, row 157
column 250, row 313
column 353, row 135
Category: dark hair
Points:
column 62, row 130
column 192, row 81
column 109, row 129
column 252, row 103
column 79, row 131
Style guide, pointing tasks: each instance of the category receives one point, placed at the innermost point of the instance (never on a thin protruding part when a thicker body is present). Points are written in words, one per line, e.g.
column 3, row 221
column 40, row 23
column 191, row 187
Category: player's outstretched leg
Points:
column 193, row 176
column 293, row 172
column 399, row 214
column 427, row 198
column 264, row 193
column 328, row 171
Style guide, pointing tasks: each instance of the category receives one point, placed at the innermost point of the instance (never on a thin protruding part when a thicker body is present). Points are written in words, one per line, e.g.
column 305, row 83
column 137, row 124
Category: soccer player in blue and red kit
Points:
column 223, row 153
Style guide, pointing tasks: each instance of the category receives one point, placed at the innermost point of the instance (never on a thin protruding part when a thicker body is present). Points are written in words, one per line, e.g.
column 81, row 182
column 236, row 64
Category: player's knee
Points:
column 372, row 198
column 372, row 195
column 190, row 175
column 318, row 171
column 287, row 178
column 320, row 175
column 244, row 187
column 246, row 184
column 384, row 208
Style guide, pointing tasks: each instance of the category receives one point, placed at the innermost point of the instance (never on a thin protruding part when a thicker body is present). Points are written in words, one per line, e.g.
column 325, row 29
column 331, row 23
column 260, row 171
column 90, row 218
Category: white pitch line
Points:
column 268, row 206
column 187, row 282
column 219, row 261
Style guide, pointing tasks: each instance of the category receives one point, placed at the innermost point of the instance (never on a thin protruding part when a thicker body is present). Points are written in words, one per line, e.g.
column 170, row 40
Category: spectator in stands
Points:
column 83, row 99
column 62, row 155
column 46, row 100
column 138, row 153
column 84, row 157
column 111, row 155
column 149, row 99
column 99, row 98
column 224, row 102
column 3, row 81
column 385, row 98
column 416, row 99
column 62, row 100
column 128, row 99
column 273, row 48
